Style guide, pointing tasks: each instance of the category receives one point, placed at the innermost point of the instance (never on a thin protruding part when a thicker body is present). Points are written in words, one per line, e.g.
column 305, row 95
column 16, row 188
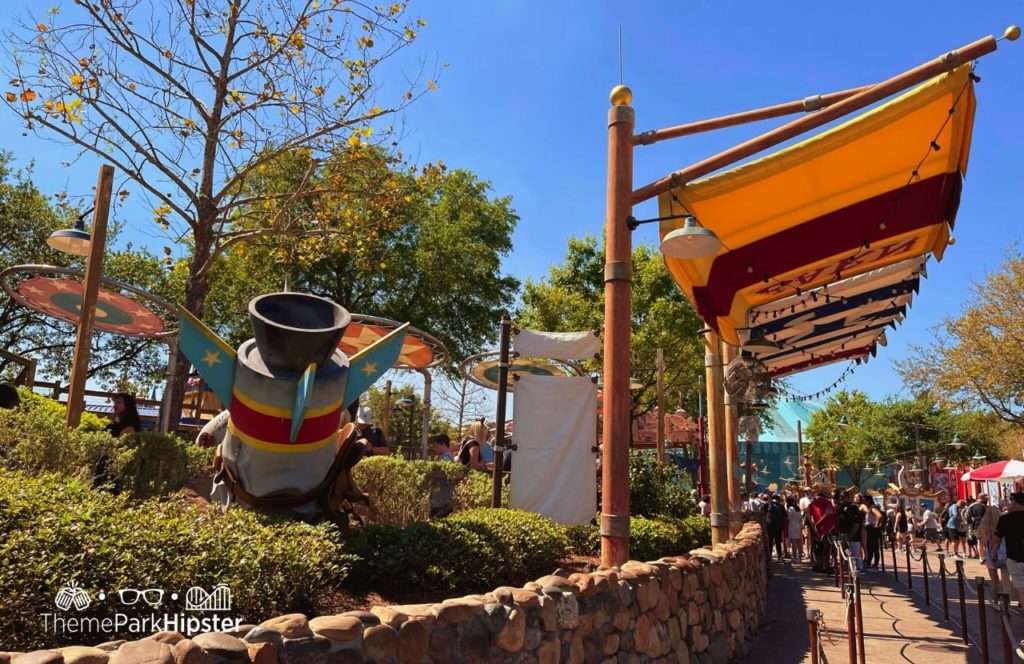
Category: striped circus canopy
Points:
column 818, row 327
column 419, row 350
column 878, row 190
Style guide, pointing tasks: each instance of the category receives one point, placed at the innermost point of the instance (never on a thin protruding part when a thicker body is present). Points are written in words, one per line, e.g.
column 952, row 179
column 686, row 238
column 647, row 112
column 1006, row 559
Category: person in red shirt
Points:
column 821, row 517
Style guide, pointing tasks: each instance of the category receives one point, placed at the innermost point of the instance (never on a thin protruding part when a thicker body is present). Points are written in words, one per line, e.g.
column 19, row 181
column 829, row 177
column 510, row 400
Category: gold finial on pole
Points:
column 1011, row 33
column 621, row 95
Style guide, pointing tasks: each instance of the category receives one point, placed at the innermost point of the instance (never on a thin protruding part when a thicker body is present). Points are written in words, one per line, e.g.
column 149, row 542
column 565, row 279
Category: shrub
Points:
column 34, row 439
column 651, row 539
column 151, row 464
column 657, row 489
column 473, row 551
column 584, row 540
column 400, row 491
column 55, row 531
column 475, row 491
column 529, row 543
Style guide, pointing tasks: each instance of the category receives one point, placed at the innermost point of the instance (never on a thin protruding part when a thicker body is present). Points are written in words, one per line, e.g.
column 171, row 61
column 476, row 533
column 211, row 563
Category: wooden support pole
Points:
column 425, row 413
column 732, row 448
column 617, row 329
column 505, row 330
column 385, row 420
column 717, row 444
column 93, row 272
column 812, row 103
column 660, row 445
column 781, row 134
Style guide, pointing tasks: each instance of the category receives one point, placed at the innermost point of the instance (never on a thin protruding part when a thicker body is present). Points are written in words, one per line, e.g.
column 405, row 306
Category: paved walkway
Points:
column 898, row 625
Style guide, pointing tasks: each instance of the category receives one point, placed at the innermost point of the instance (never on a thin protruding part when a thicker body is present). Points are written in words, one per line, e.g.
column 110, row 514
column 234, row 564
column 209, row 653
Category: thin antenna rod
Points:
column 620, row 55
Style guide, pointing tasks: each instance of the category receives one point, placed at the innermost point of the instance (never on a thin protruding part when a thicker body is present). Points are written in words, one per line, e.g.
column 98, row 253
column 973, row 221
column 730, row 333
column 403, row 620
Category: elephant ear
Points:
column 208, row 353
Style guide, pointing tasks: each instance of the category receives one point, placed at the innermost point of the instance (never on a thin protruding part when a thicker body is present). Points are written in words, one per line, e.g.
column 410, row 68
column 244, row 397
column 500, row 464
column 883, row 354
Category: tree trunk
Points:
column 195, row 302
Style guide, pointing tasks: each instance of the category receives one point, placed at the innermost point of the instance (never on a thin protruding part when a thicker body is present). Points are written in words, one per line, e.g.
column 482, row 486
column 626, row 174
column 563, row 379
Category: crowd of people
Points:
column 803, row 527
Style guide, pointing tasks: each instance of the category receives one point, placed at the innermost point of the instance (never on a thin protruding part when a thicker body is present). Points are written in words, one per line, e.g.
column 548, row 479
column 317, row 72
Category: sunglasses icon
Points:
column 151, row 596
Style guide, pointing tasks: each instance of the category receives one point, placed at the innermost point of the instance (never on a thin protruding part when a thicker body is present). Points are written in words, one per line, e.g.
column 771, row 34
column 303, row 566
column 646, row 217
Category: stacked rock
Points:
column 699, row 607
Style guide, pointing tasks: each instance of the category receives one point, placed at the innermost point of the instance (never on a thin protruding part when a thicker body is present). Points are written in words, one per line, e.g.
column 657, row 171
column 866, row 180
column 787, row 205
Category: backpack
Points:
column 464, row 457
column 963, row 520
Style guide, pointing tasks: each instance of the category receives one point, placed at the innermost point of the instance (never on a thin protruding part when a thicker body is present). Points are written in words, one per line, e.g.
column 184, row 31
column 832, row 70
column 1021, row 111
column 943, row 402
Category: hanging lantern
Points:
column 956, row 444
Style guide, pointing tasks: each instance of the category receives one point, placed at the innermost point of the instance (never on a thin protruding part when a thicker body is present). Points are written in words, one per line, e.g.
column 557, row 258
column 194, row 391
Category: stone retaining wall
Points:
column 700, row 607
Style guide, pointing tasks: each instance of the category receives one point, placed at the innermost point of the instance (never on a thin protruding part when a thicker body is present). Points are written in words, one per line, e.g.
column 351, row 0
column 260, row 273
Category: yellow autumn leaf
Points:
column 131, row 86
column 295, row 109
column 28, row 95
column 365, row 42
column 48, row 105
column 77, row 80
column 12, row 97
column 83, row 62
column 318, row 91
column 432, row 85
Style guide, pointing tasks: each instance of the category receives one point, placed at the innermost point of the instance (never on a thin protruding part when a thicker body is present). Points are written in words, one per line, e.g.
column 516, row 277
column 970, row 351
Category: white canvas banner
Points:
column 554, row 470
column 557, row 345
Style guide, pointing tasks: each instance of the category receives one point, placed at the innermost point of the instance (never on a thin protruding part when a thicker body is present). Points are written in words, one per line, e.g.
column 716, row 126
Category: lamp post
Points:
column 407, row 404
column 76, row 241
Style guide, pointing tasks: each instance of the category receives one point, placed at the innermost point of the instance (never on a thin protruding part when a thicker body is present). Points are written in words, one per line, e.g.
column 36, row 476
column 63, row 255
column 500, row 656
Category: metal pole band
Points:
column 728, row 400
column 711, row 360
column 618, row 271
column 813, row 615
column 613, row 525
column 719, row 519
column 619, row 114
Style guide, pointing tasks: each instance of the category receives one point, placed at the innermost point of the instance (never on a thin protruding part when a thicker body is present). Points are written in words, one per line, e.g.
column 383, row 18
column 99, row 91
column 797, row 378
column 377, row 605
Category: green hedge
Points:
column 649, row 539
column 657, row 489
column 55, row 531
column 400, row 491
column 34, row 439
column 471, row 551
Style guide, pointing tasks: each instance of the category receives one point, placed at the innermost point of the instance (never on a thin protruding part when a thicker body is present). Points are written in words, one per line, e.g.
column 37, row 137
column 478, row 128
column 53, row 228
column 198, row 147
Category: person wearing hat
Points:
column 1010, row 530
column 370, row 436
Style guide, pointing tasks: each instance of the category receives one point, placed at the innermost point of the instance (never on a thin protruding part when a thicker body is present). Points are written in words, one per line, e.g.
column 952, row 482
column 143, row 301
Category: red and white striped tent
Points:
column 1000, row 471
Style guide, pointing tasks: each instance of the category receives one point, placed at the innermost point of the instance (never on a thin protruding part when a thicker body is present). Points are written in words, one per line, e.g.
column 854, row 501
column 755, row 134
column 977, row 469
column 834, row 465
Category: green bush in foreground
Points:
column 55, row 531
column 475, row 550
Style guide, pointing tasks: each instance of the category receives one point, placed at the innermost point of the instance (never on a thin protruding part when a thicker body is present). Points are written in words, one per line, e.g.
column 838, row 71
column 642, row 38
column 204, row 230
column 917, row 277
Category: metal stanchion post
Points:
column 910, row 575
column 1004, row 605
column 851, row 630
column 979, row 581
column 838, row 569
column 895, row 568
column 963, row 603
column 942, row 582
column 859, row 611
column 881, row 550
column 842, row 570
column 812, row 633
column 924, row 574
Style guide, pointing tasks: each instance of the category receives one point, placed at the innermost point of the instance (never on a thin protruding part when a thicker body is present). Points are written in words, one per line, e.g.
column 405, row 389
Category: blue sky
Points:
column 524, row 99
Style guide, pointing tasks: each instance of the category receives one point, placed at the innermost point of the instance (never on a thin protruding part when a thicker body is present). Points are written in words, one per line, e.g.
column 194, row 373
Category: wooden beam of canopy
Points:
column 807, row 105
column 919, row 74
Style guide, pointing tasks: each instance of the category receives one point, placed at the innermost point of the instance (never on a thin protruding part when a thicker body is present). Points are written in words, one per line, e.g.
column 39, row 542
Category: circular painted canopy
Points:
column 62, row 298
column 419, row 350
column 486, row 372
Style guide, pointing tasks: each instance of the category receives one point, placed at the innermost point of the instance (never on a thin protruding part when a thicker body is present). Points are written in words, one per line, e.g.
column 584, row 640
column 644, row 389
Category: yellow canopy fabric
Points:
column 835, row 205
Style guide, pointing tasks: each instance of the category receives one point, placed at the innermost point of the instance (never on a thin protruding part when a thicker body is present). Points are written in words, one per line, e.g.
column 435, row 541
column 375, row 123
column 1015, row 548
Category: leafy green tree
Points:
column 192, row 100
column 852, row 430
column 27, row 217
column 978, row 357
column 572, row 298
column 435, row 262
